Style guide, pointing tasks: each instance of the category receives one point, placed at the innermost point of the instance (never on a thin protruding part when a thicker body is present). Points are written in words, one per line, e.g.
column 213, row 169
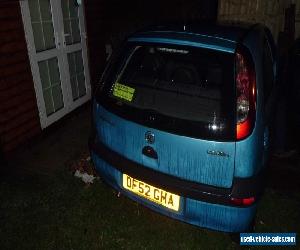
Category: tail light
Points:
column 245, row 93
column 242, row 201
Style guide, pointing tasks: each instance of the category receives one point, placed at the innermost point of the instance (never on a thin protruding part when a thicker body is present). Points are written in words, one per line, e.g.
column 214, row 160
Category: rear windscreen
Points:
column 179, row 89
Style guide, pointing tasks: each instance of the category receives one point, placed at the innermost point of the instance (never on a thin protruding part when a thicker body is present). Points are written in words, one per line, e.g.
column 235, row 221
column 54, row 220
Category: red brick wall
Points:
column 95, row 38
column 19, row 119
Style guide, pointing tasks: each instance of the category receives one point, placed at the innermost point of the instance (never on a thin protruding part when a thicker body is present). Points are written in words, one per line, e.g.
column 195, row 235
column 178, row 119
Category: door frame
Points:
column 60, row 52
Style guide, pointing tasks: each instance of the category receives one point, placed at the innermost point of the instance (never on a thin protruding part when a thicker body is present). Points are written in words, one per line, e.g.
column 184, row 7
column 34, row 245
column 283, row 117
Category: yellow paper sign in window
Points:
column 123, row 91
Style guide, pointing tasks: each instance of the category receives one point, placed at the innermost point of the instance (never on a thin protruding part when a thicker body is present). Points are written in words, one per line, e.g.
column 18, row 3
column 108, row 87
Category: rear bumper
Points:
column 202, row 205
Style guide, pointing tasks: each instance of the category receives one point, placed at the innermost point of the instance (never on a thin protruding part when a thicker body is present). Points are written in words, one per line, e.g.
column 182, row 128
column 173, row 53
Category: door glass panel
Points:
column 81, row 85
column 45, row 9
column 51, row 85
column 53, row 71
column 44, row 75
column 57, row 97
column 48, row 35
column 77, row 74
column 71, row 22
column 42, row 25
column 74, row 88
column 48, row 101
column 38, row 36
column 75, row 30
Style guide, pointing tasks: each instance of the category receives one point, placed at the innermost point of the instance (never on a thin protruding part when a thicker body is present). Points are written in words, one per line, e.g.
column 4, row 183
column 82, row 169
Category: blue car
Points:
column 181, row 121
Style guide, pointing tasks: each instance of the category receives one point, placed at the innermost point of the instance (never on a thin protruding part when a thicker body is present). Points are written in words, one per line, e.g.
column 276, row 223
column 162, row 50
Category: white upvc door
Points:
column 56, row 41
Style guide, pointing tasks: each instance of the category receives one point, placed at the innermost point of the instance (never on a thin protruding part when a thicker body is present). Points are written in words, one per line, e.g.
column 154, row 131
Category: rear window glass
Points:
column 185, row 87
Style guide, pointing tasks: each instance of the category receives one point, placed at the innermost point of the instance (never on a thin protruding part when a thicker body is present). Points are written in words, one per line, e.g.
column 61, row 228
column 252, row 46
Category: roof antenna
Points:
column 183, row 15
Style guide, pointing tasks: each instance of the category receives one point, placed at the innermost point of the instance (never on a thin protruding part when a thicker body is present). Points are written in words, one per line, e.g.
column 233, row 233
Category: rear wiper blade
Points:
column 150, row 115
column 154, row 117
column 149, row 111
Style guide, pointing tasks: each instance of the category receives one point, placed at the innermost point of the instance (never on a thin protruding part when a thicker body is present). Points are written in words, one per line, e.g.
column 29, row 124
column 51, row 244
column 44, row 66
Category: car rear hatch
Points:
column 169, row 104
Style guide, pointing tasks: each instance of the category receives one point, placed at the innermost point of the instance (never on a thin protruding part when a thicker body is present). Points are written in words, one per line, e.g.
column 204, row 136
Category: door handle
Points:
column 150, row 152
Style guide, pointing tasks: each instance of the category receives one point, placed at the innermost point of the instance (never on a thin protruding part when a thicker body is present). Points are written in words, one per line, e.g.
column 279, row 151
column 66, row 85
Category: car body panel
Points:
column 252, row 153
column 178, row 156
column 186, row 39
column 199, row 213
column 226, row 31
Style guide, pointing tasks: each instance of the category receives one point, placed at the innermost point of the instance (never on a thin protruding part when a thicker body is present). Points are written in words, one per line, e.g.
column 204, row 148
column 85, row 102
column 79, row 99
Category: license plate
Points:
column 154, row 194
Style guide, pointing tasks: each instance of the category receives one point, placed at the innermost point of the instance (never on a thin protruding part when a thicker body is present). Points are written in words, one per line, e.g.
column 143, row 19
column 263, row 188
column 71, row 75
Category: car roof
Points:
column 230, row 31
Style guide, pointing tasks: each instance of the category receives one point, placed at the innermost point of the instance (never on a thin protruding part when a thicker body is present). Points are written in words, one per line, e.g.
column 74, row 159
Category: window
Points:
column 182, row 89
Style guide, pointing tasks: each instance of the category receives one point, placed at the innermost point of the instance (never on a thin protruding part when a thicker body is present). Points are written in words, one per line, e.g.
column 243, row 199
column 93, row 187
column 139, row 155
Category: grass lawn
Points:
column 58, row 211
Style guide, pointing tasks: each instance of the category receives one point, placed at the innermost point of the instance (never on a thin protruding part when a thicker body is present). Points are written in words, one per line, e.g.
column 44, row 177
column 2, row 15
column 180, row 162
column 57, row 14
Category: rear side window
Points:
column 180, row 89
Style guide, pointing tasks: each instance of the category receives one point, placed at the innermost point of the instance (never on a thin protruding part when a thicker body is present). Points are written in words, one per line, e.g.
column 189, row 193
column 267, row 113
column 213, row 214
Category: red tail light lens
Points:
column 243, row 201
column 245, row 93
